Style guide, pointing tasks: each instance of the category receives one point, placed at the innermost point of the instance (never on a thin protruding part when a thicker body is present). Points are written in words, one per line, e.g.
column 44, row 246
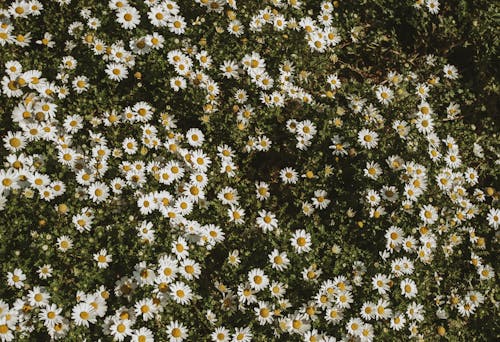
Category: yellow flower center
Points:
column 301, row 241
column 176, row 332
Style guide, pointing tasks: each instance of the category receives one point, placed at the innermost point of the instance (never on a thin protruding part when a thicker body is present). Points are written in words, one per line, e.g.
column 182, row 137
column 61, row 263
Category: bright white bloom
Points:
column 368, row 139
column 301, row 241
column 494, row 217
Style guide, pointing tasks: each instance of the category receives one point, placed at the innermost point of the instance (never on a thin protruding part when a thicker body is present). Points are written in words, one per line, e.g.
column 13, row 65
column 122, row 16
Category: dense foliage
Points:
column 255, row 170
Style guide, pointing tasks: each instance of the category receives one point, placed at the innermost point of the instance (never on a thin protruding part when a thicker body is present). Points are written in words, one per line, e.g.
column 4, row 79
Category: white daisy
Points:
column 301, row 241
column 368, row 139
column 83, row 314
column 258, row 279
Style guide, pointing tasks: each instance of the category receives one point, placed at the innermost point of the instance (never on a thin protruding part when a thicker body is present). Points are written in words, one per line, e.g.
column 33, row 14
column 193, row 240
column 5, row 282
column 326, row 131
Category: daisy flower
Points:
column 240, row 96
column 176, row 331
column 307, row 208
column 120, row 329
column 158, row 16
column 415, row 312
column 257, row 279
column 143, row 334
column 262, row 190
column 146, row 204
column 382, row 311
column 263, row 313
column 450, row 71
column 246, row 294
column 429, row 214
column 279, row 22
column 178, row 83
column 319, row 200
column 301, row 241
column 145, row 308
column 334, row 314
column 155, row 40
column 425, row 124
column 236, row 215
column 277, row 289
column 103, row 258
column 64, row 243
column 366, row 333
column 143, row 274
column 452, row 110
column 38, row 297
column 384, row 95
column 344, row 299
column 279, row 261
column 220, row 334
column 372, row 170
column 317, row 41
column 83, row 314
column 334, row 82
column 380, row 282
column 367, row 311
column 98, row 192
column 8, row 180
column 181, row 293
column 80, row 84
column 45, row 271
column 432, row 6
column 228, row 196
column 129, row 146
column 493, row 217
column 408, row 288
column 229, row 69
column 466, row 309
column 177, row 24
column 235, row 28
column 353, row 326
column 242, row 334
column 398, row 321
column 50, row 315
column 338, row 146
column 195, row 137
column 368, row 139
column 288, row 175
column 128, row 17
column 190, row 269
column 168, row 268
column 200, row 160
column 6, row 334
column 180, row 248
column 485, row 272
column 263, row 143
column 267, row 221
column 14, row 141
column 306, row 128
column 16, row 278
column 233, row 258
column 116, row 71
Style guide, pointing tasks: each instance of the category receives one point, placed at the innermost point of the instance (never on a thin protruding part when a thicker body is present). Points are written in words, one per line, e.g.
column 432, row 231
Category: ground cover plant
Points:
column 222, row 170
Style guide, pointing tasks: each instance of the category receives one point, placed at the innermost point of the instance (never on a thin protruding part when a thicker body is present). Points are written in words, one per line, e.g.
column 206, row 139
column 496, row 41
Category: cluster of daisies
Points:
column 171, row 182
